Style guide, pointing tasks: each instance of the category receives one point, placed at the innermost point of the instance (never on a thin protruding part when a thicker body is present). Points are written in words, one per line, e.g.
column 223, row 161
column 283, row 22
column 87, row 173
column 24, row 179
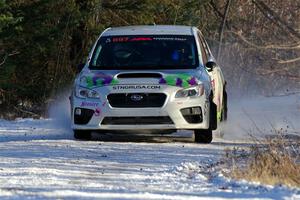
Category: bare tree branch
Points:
column 27, row 112
column 285, row 71
column 213, row 5
column 289, row 61
column 118, row 16
column 222, row 27
column 8, row 55
column 271, row 15
column 270, row 46
column 264, row 71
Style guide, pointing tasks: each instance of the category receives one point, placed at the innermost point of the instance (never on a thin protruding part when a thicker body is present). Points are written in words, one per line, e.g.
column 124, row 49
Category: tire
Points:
column 82, row 134
column 203, row 136
column 225, row 108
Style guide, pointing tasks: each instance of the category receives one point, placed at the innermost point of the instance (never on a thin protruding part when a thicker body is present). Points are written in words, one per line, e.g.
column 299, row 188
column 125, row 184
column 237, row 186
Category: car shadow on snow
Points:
column 143, row 137
column 178, row 137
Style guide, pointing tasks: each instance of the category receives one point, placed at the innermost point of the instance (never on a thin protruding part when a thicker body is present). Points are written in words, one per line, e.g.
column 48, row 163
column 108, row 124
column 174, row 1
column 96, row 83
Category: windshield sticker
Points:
column 127, row 39
column 180, row 80
column 141, row 39
column 170, row 38
column 100, row 79
column 120, row 39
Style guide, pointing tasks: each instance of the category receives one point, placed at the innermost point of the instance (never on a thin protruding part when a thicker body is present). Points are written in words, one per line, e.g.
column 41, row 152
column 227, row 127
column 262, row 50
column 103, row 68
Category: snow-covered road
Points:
column 41, row 161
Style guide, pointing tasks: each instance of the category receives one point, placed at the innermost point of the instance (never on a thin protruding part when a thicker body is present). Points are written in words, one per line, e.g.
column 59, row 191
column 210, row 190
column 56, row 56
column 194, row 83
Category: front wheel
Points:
column 82, row 134
column 203, row 136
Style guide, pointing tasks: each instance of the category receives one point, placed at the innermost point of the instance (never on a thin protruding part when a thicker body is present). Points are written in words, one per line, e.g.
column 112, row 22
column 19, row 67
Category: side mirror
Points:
column 80, row 67
column 210, row 65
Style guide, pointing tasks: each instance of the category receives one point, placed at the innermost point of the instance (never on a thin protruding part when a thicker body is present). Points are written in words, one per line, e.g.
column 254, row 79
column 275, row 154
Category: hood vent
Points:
column 140, row 75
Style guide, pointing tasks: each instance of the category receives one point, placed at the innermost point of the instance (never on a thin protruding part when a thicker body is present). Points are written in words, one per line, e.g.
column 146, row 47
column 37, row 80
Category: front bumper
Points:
column 175, row 113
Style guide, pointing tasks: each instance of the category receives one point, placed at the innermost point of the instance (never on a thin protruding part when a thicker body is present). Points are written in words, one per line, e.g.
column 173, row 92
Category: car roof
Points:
column 149, row 30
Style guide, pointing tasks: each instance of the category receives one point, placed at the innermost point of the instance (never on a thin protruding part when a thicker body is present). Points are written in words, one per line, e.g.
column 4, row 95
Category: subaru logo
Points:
column 136, row 97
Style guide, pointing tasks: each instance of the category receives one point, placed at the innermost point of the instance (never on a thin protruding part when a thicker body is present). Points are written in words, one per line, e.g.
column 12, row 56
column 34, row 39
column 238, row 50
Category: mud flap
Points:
column 225, row 108
column 213, row 122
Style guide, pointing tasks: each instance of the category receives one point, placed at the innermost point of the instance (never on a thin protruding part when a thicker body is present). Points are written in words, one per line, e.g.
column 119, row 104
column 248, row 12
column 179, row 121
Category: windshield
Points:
column 145, row 52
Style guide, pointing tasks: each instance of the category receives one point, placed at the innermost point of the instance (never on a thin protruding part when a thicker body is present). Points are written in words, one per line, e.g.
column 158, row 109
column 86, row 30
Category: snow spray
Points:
column 260, row 116
column 59, row 112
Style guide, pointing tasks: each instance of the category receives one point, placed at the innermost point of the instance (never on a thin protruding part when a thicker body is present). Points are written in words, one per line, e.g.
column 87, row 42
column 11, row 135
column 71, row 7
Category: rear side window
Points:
column 145, row 52
column 204, row 49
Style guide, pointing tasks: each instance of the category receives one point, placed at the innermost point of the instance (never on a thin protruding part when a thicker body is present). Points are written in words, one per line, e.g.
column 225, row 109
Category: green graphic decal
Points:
column 180, row 80
column 100, row 79
column 219, row 116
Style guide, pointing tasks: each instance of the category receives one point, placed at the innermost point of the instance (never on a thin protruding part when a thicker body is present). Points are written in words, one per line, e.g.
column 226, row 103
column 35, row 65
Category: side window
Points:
column 206, row 47
column 203, row 50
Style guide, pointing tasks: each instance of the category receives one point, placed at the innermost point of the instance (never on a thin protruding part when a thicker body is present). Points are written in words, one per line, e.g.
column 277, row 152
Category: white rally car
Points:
column 149, row 78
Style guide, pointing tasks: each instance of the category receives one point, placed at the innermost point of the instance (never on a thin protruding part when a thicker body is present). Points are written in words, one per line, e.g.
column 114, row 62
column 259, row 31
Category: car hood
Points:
column 178, row 78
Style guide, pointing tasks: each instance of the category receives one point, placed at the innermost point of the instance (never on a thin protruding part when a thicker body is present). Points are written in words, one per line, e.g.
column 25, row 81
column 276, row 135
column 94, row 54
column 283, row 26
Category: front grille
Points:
column 136, row 100
column 136, row 120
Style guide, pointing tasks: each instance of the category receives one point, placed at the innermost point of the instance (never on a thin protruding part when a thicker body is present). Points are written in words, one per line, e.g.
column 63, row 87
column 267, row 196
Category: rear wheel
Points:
column 82, row 134
column 203, row 136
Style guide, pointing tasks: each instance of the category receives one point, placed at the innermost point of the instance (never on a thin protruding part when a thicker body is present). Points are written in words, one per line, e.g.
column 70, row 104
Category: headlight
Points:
column 191, row 92
column 82, row 92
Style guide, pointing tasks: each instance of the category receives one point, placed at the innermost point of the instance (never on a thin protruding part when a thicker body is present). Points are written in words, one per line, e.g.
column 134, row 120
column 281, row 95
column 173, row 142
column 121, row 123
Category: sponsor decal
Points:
column 90, row 104
column 179, row 80
column 97, row 112
column 213, row 84
column 134, row 87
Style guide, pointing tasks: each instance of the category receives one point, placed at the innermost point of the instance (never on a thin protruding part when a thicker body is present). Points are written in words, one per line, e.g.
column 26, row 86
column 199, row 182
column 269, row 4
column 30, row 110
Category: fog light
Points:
column 192, row 115
column 77, row 111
